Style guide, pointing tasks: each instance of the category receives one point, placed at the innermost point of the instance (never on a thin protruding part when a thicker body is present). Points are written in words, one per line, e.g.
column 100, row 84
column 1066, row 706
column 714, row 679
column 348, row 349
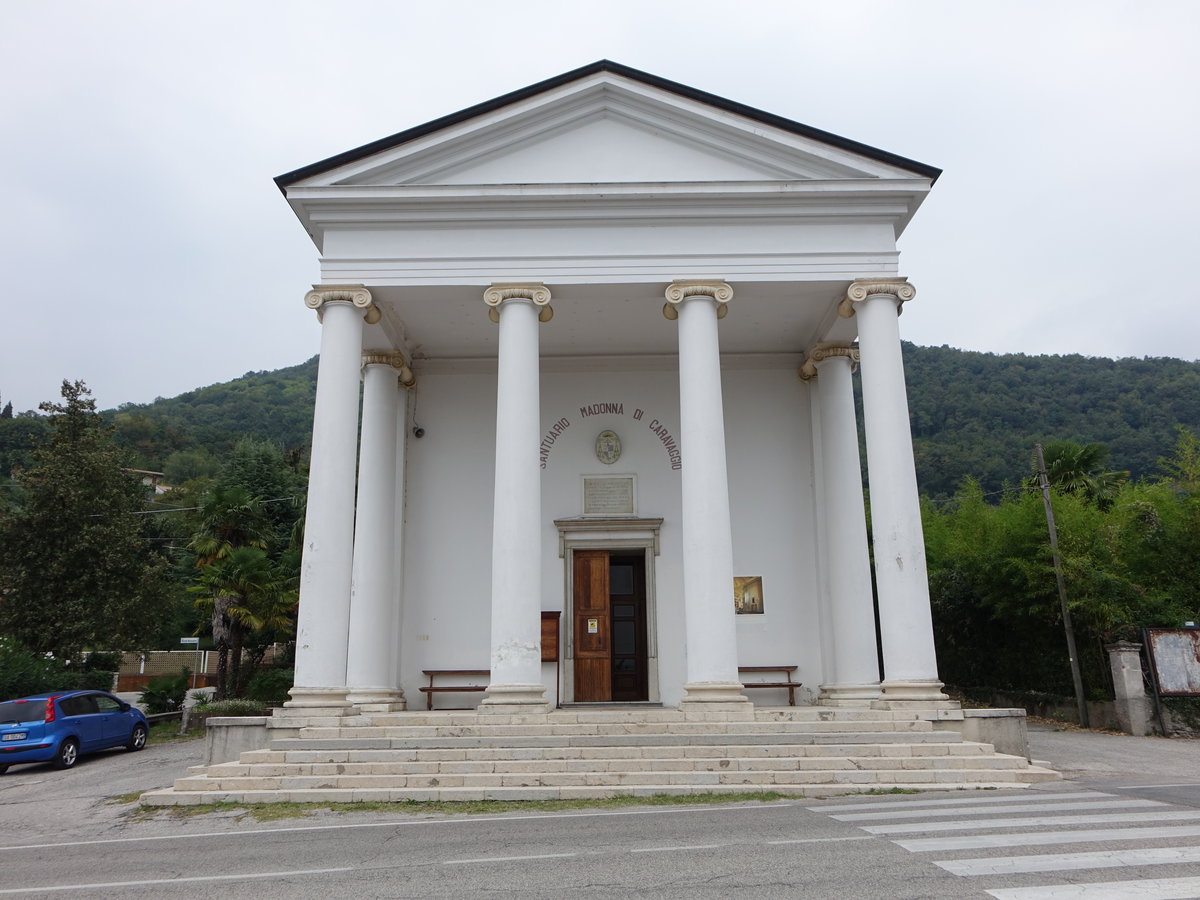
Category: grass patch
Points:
column 168, row 733
column 120, row 799
column 268, row 812
column 891, row 790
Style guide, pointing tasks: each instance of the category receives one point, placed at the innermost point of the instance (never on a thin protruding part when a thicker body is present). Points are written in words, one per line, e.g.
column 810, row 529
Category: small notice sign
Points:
column 593, row 626
column 193, row 641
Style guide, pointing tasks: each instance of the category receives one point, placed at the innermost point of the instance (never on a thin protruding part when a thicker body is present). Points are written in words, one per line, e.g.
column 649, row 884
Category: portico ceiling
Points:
column 446, row 322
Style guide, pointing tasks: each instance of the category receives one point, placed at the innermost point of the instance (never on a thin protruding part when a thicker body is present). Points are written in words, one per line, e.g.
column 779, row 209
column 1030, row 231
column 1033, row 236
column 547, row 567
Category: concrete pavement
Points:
column 1088, row 755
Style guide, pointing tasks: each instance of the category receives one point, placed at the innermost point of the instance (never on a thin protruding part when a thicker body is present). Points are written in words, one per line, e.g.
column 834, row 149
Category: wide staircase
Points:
column 595, row 753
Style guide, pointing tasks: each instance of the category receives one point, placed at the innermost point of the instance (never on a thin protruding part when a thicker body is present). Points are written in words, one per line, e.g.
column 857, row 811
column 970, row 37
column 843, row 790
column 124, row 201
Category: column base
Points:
column 848, row 695
column 378, row 700
column 514, row 699
column 912, row 691
column 309, row 701
column 715, row 696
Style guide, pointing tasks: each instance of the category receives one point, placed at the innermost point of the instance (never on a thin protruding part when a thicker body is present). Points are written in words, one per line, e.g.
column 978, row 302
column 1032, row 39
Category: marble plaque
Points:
column 608, row 496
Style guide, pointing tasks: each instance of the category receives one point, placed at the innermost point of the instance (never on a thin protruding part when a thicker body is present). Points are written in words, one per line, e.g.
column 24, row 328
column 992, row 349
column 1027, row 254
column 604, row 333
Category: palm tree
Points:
column 230, row 521
column 268, row 610
column 229, row 518
column 244, row 590
column 1080, row 469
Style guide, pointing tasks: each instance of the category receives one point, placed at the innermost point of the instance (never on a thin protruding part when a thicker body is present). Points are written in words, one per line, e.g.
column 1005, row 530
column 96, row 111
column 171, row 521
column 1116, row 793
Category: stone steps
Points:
column 451, row 794
column 528, row 754
column 764, row 780
column 600, row 753
column 610, row 740
column 495, row 732
column 732, row 762
column 599, row 717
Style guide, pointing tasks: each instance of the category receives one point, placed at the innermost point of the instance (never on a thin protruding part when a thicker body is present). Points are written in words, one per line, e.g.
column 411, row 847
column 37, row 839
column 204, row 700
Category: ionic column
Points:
column 905, row 621
column 325, row 574
column 710, row 627
column 516, row 660
column 371, row 666
column 854, row 673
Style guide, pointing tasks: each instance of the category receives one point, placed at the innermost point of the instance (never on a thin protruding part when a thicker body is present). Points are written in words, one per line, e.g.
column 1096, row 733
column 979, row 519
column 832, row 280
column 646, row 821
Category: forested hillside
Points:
column 975, row 414
column 979, row 414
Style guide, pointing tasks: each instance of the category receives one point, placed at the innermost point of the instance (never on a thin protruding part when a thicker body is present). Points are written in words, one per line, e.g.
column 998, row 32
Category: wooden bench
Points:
column 787, row 673
column 432, row 689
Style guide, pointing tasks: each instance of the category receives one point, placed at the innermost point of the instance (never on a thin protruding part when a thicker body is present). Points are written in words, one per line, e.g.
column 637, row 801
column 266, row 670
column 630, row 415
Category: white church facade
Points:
column 585, row 414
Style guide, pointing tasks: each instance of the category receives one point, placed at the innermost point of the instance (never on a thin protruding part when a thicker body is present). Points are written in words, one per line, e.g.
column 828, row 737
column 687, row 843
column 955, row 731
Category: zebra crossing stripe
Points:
column 1023, row 796
column 1063, row 862
column 1038, row 838
column 1129, row 818
column 986, row 810
column 1145, row 889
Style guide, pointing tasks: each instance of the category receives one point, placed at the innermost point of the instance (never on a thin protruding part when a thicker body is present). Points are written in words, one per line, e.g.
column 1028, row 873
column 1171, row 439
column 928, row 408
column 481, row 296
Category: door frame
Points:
column 614, row 535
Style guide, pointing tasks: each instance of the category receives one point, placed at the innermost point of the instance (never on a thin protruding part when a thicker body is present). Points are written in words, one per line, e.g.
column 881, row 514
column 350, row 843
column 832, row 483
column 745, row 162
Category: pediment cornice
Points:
column 603, row 87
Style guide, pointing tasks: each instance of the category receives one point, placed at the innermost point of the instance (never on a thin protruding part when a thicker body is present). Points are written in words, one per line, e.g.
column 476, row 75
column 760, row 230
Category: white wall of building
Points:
column 449, row 491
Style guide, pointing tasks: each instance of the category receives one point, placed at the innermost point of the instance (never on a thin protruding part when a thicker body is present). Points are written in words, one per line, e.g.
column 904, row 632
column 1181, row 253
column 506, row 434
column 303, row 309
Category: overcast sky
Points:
column 147, row 251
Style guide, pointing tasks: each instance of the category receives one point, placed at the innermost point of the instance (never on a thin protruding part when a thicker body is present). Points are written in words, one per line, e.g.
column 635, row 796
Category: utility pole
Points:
column 1044, row 481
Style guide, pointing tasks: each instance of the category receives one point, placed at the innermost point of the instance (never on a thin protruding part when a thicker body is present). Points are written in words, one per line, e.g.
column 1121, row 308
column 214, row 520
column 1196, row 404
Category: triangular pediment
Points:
column 605, row 124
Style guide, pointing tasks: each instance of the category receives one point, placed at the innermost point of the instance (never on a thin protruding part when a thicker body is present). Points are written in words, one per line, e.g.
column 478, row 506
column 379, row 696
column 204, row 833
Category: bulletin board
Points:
column 1175, row 661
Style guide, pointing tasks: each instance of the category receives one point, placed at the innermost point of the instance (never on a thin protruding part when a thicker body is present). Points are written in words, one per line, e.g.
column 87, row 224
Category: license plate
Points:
column 15, row 736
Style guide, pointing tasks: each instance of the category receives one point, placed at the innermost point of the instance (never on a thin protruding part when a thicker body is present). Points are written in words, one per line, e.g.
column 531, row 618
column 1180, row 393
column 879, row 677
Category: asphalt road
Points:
column 1127, row 815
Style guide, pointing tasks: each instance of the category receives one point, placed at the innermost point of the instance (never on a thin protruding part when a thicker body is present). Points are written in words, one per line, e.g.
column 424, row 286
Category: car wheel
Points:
column 3, row 769
column 137, row 739
column 67, row 755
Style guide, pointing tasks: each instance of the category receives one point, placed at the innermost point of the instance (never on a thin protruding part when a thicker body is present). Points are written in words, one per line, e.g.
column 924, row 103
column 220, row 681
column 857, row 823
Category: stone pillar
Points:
column 855, row 664
column 516, row 659
column 710, row 626
column 323, row 620
column 406, row 396
column 1132, row 706
column 371, row 667
column 905, row 621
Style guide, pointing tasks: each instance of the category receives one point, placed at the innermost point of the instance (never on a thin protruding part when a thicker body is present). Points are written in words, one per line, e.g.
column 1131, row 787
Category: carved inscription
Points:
column 612, row 408
column 608, row 497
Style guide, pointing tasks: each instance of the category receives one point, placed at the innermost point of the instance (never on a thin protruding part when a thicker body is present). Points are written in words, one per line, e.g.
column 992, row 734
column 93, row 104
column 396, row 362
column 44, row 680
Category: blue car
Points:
column 57, row 727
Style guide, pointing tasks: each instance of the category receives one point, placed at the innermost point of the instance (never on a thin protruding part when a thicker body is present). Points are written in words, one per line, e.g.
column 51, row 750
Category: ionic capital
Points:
column 682, row 289
column 396, row 361
column 866, row 287
column 828, row 350
column 343, row 293
column 536, row 293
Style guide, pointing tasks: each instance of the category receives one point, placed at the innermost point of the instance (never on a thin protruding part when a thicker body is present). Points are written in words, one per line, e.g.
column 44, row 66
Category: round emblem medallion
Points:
column 608, row 447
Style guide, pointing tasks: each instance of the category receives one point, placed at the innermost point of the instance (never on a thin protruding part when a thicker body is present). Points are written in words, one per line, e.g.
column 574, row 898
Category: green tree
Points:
column 261, row 470
column 18, row 437
column 75, row 569
column 228, row 518
column 230, row 523
column 1081, row 469
column 183, row 466
column 246, row 592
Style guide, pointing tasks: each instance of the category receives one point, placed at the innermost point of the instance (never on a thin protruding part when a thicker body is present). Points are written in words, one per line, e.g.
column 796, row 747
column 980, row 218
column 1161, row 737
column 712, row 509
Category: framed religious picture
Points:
column 748, row 595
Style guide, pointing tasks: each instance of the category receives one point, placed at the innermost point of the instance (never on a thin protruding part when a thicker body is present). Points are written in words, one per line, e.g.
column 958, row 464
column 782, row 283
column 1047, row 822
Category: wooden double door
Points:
column 609, row 623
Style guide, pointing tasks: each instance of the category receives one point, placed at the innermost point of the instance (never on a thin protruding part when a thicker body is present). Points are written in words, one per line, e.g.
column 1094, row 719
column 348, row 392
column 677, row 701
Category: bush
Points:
column 232, row 708
column 165, row 693
column 86, row 680
column 102, row 661
column 23, row 672
column 270, row 686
